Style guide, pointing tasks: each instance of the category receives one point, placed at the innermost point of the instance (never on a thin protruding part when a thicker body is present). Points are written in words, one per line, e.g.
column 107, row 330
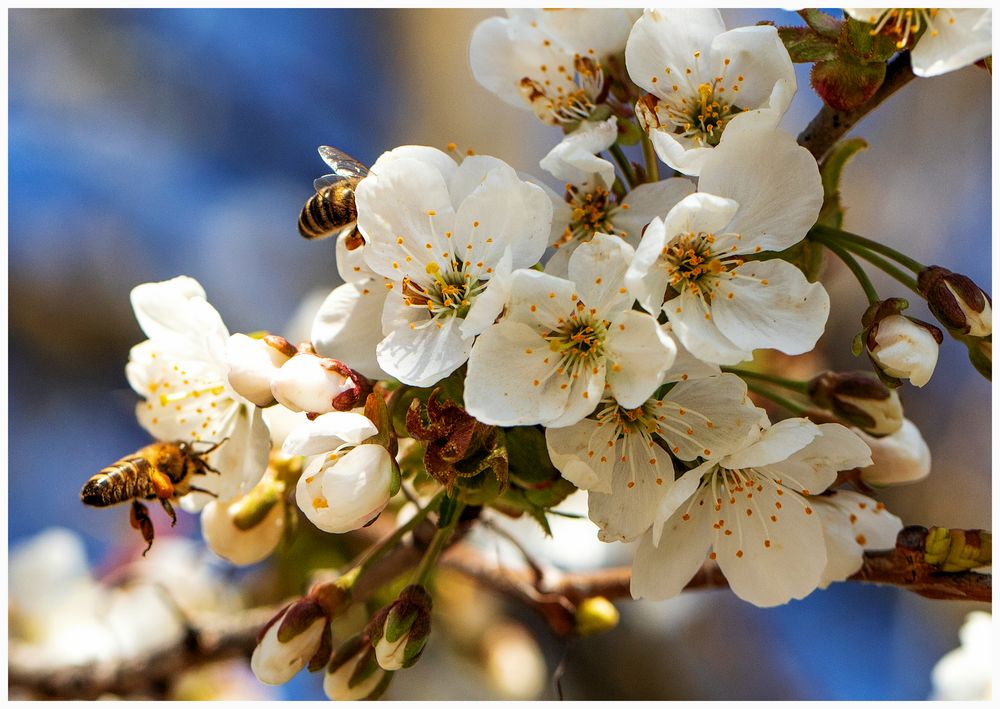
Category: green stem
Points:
column 777, row 399
column 852, row 264
column 382, row 547
column 435, row 548
column 880, row 263
column 621, row 160
column 649, row 158
column 793, row 385
column 840, row 236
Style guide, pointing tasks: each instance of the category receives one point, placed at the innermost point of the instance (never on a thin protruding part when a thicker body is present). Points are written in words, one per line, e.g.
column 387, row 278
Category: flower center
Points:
column 448, row 293
column 565, row 96
column 579, row 341
column 906, row 23
column 640, row 421
column 592, row 212
column 692, row 264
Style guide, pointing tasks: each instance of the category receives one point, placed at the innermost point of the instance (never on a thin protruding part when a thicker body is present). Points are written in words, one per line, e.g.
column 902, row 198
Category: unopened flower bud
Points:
column 595, row 615
column 901, row 457
column 956, row 301
column 247, row 529
column 341, row 493
column 290, row 641
column 310, row 383
column 858, row 398
column 399, row 631
column 905, row 348
column 253, row 362
column 353, row 673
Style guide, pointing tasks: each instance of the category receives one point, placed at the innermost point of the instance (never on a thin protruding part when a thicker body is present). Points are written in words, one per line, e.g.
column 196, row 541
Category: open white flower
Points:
column 590, row 207
column 562, row 340
column 618, row 458
column 751, row 508
column 852, row 524
column 182, row 373
column 700, row 77
column 758, row 191
column 951, row 38
column 549, row 60
column 447, row 237
column 346, row 482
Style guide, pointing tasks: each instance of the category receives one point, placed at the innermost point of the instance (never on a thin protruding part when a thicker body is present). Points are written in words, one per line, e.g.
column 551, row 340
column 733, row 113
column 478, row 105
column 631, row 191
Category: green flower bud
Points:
column 399, row 631
column 290, row 641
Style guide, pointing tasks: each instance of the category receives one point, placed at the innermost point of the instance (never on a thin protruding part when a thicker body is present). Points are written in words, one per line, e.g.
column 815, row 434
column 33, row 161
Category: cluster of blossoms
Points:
column 485, row 318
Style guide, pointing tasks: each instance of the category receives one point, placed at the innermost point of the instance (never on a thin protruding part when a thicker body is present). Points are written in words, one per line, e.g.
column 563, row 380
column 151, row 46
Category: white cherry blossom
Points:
column 750, row 512
column 549, row 60
column 852, row 524
column 346, row 482
column 952, row 38
column 700, row 76
column 758, row 191
column 590, row 206
column 181, row 371
column 447, row 237
column 617, row 457
column 549, row 359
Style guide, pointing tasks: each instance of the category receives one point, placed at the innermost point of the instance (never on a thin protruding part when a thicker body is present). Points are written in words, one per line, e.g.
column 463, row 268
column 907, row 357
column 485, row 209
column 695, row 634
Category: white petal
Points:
column 686, row 366
column 853, row 523
column 668, row 39
column 598, row 268
column 777, row 443
column 638, row 486
column 700, row 334
column 639, row 352
column 770, row 304
column 761, row 60
column 645, row 278
column 645, row 202
column 437, row 159
column 351, row 262
column 814, row 467
column 718, row 417
column 343, row 325
column 680, row 496
column 955, row 45
column 570, row 450
column 768, row 563
column 775, row 181
column 580, row 30
column 575, row 160
column 499, row 388
column 501, row 211
column 540, row 300
column 661, row 572
column 901, row 457
column 402, row 210
column 328, row 432
column 176, row 314
column 423, row 354
column 582, row 395
column 349, row 493
column 504, row 51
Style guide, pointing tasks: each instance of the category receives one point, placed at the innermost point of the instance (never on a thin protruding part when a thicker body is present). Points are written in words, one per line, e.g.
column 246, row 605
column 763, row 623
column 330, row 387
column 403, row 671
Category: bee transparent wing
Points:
column 342, row 163
column 326, row 180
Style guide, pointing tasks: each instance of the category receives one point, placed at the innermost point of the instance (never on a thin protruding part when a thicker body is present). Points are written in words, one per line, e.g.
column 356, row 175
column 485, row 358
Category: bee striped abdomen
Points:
column 328, row 211
column 127, row 479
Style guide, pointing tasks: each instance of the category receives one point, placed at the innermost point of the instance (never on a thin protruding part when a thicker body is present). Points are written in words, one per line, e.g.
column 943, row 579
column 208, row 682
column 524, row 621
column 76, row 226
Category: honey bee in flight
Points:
column 332, row 208
column 160, row 471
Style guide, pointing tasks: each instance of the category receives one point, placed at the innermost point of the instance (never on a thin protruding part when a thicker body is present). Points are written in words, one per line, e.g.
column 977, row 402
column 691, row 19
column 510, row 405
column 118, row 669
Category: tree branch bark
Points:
column 830, row 125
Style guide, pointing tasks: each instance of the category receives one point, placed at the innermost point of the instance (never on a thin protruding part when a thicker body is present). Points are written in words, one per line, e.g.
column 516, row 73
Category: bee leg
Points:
column 162, row 484
column 169, row 509
column 139, row 519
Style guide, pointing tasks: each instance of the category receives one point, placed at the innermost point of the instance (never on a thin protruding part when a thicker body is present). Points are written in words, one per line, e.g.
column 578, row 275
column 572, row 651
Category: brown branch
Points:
column 556, row 596
column 830, row 125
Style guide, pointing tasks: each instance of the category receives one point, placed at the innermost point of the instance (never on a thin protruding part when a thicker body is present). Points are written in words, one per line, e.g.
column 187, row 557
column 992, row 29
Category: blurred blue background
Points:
column 147, row 144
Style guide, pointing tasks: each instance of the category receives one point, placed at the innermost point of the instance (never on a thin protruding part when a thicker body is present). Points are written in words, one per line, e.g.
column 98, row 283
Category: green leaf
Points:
column 846, row 85
column 804, row 45
column 857, row 40
column 824, row 25
column 528, row 456
column 831, row 170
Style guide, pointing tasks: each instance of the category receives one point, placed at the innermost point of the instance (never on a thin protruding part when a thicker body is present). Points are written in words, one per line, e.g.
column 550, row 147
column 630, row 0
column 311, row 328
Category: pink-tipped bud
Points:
column 307, row 382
